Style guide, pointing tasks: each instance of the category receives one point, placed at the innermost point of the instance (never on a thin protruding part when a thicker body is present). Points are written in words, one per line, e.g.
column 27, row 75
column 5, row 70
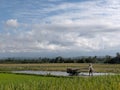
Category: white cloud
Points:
column 12, row 23
column 83, row 26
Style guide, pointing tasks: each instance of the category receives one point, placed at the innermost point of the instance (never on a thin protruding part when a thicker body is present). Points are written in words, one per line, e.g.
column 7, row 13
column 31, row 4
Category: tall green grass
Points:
column 30, row 82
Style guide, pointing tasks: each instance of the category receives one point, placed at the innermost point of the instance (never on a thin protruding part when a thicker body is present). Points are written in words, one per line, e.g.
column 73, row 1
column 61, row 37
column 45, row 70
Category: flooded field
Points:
column 59, row 73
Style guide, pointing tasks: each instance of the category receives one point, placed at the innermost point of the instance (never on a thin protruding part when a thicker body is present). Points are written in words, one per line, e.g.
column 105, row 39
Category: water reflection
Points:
column 58, row 73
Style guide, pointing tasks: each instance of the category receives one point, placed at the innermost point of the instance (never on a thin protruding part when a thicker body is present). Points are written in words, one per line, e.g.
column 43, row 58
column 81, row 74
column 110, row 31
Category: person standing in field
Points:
column 90, row 70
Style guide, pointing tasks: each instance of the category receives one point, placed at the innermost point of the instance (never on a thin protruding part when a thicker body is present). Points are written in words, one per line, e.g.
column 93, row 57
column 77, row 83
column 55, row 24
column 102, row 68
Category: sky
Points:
column 59, row 27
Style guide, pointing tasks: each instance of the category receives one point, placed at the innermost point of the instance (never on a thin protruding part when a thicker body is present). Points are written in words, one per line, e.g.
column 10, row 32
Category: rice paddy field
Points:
column 10, row 81
column 114, row 68
column 31, row 82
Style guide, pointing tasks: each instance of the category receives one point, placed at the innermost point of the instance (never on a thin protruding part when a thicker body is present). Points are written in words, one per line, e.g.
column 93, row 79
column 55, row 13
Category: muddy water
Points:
column 58, row 73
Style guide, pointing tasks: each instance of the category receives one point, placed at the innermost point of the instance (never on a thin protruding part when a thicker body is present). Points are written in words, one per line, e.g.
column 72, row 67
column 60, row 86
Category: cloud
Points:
column 86, row 26
column 12, row 23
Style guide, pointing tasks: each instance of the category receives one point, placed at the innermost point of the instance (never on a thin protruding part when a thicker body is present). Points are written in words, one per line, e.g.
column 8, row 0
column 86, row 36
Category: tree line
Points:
column 59, row 59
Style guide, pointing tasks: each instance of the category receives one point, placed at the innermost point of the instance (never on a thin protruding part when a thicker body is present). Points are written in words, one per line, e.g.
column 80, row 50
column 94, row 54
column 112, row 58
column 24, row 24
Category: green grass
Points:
column 31, row 82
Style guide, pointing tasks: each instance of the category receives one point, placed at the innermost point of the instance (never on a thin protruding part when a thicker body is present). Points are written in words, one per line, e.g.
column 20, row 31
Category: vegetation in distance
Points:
column 31, row 82
column 59, row 59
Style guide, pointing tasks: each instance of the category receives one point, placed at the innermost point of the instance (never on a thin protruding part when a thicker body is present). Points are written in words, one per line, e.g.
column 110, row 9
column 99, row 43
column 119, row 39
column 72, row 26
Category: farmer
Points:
column 90, row 70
